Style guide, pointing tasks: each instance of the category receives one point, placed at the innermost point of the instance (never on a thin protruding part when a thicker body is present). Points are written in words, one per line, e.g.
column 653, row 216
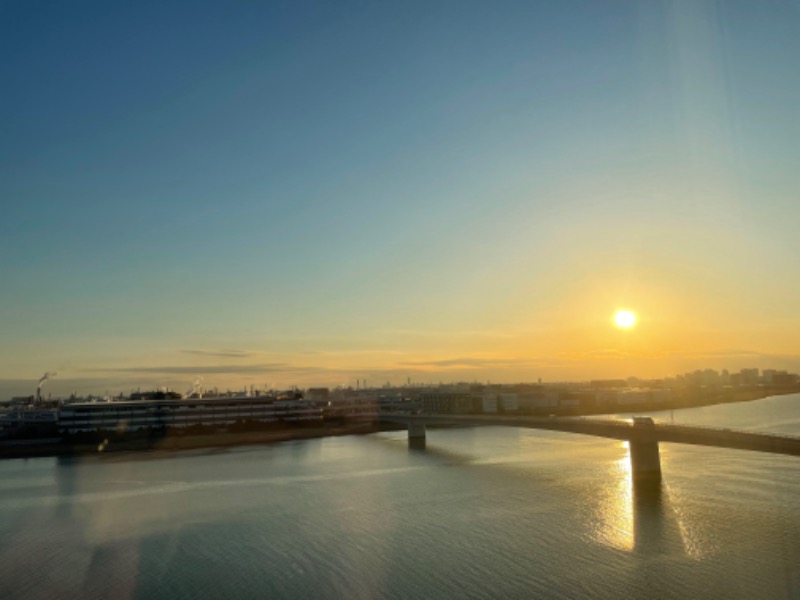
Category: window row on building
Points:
column 138, row 415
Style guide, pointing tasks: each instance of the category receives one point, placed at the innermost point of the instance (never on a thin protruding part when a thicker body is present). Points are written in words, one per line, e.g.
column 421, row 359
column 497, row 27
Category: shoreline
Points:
column 178, row 443
column 227, row 439
column 681, row 402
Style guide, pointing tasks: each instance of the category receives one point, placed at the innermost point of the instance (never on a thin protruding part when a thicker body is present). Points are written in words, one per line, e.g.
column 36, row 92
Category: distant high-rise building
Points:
column 749, row 376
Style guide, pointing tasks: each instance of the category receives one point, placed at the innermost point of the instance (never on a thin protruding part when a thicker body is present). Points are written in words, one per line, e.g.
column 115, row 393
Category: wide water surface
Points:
column 481, row 513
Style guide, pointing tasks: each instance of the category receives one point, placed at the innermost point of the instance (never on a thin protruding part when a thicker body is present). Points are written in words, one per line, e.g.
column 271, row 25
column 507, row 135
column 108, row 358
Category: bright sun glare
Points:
column 625, row 319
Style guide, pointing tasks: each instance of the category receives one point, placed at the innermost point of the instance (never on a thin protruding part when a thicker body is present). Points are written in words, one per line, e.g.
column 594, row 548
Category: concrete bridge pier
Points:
column 416, row 435
column 645, row 461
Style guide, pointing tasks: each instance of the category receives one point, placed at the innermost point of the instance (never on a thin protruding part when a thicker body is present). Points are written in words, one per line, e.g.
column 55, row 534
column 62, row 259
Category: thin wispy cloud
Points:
column 466, row 333
column 221, row 353
column 594, row 354
column 467, row 362
column 724, row 353
column 200, row 370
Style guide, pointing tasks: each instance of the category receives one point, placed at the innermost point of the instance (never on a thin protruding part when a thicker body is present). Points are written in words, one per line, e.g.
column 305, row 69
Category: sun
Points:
column 625, row 319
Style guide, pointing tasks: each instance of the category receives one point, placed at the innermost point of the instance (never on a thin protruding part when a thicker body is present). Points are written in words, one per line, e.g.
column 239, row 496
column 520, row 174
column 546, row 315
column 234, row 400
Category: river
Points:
column 480, row 513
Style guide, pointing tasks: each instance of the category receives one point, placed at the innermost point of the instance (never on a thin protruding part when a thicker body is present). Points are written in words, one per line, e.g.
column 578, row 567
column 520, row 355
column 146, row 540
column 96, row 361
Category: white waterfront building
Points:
column 135, row 415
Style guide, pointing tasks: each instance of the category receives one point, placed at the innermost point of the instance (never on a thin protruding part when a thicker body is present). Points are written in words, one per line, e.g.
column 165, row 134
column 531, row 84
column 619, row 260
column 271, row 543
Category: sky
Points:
column 311, row 193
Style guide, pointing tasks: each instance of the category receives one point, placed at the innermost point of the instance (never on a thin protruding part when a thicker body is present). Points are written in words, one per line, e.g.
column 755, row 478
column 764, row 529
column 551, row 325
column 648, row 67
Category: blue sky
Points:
column 365, row 187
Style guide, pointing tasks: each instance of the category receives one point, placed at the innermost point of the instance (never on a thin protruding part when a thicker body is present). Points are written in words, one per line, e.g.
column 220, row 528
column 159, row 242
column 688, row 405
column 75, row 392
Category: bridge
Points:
column 643, row 436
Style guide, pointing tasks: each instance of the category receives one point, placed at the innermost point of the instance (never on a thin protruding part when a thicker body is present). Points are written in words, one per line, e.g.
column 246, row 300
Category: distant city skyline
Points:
column 310, row 193
column 193, row 380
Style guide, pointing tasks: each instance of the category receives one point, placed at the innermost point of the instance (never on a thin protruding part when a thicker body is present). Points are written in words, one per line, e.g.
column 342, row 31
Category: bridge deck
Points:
column 621, row 430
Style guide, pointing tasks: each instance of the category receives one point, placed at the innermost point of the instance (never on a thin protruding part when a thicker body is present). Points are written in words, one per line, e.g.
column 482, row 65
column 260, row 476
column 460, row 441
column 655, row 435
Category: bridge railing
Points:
column 625, row 422
column 697, row 428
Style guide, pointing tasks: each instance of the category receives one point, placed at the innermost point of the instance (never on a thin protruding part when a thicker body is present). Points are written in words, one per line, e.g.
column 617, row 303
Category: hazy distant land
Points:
column 199, row 437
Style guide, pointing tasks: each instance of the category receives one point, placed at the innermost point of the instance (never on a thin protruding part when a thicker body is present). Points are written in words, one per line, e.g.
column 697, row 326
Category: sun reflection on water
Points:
column 644, row 518
column 615, row 522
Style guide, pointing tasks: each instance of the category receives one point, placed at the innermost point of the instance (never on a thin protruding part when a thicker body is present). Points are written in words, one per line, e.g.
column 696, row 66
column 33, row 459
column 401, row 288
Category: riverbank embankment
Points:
column 177, row 442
